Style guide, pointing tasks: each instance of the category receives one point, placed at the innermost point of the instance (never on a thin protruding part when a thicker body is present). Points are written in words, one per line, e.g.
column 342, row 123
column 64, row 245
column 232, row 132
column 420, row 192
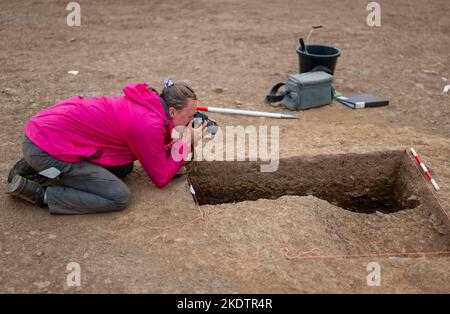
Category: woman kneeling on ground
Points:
column 76, row 150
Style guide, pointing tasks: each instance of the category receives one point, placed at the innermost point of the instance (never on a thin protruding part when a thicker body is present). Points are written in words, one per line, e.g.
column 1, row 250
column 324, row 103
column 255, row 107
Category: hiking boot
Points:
column 21, row 168
column 27, row 190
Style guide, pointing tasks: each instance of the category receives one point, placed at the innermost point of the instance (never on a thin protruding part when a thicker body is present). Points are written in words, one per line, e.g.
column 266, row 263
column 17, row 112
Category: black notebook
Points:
column 362, row 101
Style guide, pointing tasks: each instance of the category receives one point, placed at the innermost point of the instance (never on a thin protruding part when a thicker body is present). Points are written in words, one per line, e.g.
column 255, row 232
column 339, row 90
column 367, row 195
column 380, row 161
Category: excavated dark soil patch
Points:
column 383, row 181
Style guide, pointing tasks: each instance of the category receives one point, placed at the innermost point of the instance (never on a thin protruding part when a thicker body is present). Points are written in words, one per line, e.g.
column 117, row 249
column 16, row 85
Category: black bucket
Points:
column 318, row 55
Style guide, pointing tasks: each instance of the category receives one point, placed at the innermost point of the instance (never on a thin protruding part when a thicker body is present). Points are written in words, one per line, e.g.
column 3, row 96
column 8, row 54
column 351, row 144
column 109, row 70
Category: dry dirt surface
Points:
column 346, row 195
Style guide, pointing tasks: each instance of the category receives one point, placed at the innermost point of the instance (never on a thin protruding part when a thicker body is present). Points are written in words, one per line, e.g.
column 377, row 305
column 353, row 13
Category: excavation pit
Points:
column 379, row 203
column 386, row 182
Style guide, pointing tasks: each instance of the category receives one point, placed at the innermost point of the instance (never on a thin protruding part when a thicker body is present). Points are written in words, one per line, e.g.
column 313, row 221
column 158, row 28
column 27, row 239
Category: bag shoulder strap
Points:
column 272, row 97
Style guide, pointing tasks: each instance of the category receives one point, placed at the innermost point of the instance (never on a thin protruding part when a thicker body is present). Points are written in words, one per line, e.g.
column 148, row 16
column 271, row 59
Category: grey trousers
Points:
column 81, row 188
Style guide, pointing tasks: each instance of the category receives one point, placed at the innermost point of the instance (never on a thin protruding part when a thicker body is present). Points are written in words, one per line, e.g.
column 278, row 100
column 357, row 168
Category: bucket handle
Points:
column 302, row 44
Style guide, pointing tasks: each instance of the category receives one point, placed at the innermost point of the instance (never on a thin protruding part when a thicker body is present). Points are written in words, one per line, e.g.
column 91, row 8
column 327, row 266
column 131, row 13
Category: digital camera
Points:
column 200, row 117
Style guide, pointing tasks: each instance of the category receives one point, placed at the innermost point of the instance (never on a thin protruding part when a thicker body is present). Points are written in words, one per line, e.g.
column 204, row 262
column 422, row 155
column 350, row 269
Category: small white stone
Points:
column 41, row 284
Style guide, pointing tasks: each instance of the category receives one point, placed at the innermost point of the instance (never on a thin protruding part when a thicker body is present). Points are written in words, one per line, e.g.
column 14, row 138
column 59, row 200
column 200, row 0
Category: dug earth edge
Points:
column 226, row 304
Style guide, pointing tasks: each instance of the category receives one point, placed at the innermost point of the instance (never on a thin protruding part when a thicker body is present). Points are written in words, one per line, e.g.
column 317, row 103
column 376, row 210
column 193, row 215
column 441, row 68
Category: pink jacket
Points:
column 110, row 131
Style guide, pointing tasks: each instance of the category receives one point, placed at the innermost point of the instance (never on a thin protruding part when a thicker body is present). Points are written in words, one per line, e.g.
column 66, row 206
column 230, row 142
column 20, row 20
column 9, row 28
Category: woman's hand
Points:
column 192, row 135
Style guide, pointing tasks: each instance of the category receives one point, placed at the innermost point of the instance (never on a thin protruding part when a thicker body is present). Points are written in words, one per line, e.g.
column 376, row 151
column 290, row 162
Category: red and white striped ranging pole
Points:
column 425, row 169
column 248, row 112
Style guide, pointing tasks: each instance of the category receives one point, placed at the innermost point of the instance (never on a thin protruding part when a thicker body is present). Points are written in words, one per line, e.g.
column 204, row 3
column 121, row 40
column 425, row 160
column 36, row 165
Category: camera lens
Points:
column 197, row 122
column 212, row 127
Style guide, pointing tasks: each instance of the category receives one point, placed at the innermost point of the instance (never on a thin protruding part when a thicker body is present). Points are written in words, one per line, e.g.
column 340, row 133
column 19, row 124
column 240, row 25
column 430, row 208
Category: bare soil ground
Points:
column 232, row 52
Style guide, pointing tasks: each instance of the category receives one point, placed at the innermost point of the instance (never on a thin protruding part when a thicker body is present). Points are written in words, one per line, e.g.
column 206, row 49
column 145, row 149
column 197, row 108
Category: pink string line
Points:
column 310, row 255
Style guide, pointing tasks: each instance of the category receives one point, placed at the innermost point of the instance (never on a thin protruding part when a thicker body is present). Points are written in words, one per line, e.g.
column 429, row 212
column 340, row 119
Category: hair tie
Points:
column 168, row 83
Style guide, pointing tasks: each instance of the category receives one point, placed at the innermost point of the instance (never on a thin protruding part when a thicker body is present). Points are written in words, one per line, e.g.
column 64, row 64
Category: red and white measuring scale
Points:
column 247, row 112
column 425, row 169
